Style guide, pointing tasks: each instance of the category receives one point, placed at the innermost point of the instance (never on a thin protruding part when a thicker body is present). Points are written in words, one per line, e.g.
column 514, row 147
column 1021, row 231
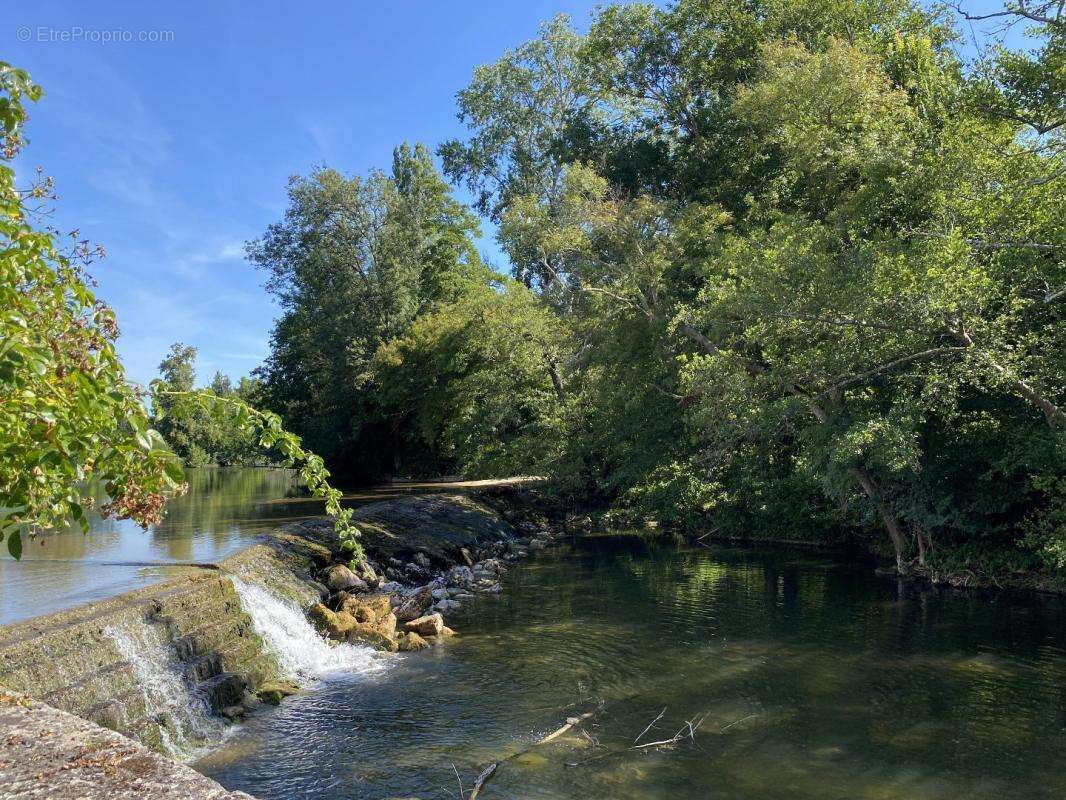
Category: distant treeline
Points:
column 780, row 269
column 200, row 434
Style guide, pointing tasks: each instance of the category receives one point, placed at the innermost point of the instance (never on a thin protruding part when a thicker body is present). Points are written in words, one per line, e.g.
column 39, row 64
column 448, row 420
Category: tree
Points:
column 476, row 381
column 198, row 434
column 838, row 258
column 354, row 261
column 69, row 420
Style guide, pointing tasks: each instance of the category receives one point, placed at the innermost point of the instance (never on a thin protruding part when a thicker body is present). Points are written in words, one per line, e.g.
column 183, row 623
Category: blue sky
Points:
column 173, row 153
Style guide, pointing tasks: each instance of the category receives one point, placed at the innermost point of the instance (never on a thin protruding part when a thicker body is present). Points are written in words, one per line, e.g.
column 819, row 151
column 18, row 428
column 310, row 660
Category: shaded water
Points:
column 816, row 681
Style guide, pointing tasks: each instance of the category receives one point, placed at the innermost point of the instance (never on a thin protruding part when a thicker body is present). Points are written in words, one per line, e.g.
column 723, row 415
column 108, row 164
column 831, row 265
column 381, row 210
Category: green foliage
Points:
column 475, row 378
column 198, row 435
column 69, row 421
column 810, row 262
column 266, row 429
column 72, row 428
column 352, row 263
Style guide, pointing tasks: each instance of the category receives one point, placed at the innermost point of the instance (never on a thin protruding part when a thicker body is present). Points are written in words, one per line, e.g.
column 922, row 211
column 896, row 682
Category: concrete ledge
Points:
column 48, row 753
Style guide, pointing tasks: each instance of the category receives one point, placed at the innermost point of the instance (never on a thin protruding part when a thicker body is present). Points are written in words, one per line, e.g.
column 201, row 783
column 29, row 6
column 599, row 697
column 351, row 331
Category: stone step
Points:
column 223, row 690
column 203, row 667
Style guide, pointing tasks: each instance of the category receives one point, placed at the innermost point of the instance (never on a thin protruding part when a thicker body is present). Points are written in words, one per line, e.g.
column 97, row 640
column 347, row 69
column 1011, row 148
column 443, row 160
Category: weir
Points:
column 160, row 663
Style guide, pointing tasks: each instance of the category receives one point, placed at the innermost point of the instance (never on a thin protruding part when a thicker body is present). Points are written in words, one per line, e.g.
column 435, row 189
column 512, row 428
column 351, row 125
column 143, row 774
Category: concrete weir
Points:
column 161, row 664
column 158, row 664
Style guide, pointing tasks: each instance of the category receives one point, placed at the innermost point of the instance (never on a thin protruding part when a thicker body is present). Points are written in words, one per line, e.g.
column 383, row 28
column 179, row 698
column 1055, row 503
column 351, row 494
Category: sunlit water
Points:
column 814, row 681
column 224, row 510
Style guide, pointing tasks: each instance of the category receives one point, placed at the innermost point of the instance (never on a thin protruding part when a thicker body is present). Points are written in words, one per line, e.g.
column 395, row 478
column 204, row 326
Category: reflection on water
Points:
column 817, row 682
column 222, row 511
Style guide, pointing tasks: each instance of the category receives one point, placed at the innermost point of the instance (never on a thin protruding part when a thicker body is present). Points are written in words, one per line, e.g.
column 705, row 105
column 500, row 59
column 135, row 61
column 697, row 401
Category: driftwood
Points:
column 687, row 731
column 486, row 773
column 490, row 770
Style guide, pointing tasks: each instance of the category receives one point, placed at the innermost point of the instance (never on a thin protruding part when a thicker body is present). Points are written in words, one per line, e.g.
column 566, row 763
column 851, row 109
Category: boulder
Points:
column 334, row 624
column 233, row 713
column 429, row 625
column 422, row 560
column 409, row 642
column 339, row 578
column 274, row 691
column 460, row 576
column 365, row 570
column 374, row 635
column 372, row 620
column 415, row 604
column 368, row 607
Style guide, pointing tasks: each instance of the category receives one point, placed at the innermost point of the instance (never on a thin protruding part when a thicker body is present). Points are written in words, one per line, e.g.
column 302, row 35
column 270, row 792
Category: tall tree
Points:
column 352, row 263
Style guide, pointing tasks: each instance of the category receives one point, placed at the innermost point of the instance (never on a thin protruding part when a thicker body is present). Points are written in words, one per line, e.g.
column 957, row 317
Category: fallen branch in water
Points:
column 737, row 722
column 490, row 770
column 486, row 773
column 570, row 723
column 687, row 731
column 649, row 725
column 691, row 726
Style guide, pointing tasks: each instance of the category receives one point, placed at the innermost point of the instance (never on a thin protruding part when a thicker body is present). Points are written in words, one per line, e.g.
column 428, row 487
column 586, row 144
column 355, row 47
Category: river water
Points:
column 803, row 678
column 223, row 511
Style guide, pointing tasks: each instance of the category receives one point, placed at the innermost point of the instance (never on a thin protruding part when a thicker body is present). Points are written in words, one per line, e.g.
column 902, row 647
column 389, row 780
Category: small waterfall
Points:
column 301, row 652
column 185, row 721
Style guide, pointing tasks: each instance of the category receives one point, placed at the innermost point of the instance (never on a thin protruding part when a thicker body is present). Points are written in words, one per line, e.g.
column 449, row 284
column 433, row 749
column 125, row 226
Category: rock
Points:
column 439, row 594
column 414, row 605
column 340, row 578
column 492, row 587
column 446, row 606
column 334, row 624
column 372, row 620
column 274, row 691
column 538, row 544
column 412, row 641
column 422, row 560
column 233, row 713
column 373, row 635
column 429, row 625
column 368, row 607
column 365, row 570
column 391, row 586
column 464, row 554
column 460, row 576
column 446, row 631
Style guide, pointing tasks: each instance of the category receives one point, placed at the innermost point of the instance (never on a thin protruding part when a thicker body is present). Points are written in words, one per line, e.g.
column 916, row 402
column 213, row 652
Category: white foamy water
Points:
column 185, row 721
column 298, row 647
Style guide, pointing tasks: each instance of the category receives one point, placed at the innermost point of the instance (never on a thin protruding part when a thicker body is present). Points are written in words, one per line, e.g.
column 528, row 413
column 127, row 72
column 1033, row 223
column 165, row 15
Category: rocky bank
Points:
column 425, row 557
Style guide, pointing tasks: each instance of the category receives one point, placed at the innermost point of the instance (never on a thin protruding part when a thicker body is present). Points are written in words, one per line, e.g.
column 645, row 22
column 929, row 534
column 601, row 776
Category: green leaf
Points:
column 14, row 544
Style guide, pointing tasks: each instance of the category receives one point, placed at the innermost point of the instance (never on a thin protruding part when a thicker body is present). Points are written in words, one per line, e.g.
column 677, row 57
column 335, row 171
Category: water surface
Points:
column 223, row 510
column 814, row 680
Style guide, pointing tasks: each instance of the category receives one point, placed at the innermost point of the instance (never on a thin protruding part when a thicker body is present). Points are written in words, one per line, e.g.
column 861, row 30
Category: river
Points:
column 804, row 679
column 223, row 511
